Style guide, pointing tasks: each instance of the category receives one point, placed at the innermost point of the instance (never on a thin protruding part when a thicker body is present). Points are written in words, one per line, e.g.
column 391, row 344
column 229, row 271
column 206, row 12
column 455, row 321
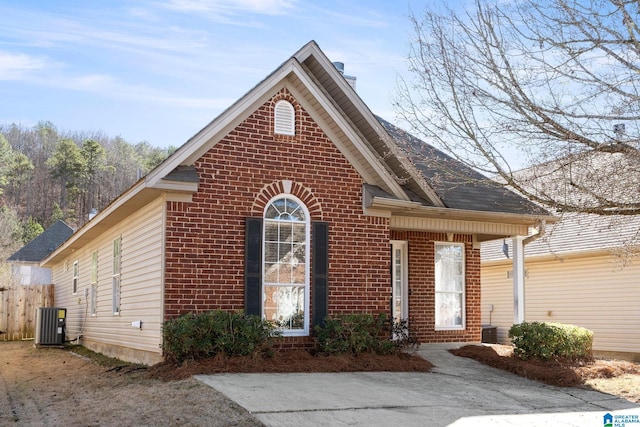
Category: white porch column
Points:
column 518, row 279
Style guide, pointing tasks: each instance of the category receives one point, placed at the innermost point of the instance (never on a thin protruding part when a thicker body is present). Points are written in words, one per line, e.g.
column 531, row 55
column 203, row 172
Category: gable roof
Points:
column 573, row 234
column 457, row 185
column 393, row 182
column 43, row 244
column 570, row 180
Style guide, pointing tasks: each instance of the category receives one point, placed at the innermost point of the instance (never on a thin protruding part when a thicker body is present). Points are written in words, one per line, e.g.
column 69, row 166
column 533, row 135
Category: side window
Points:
column 286, row 265
column 94, row 282
column 284, row 118
column 115, row 280
column 76, row 273
column 450, row 286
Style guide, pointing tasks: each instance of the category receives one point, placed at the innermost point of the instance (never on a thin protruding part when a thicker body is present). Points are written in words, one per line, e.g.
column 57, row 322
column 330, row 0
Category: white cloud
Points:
column 109, row 86
column 19, row 66
column 232, row 7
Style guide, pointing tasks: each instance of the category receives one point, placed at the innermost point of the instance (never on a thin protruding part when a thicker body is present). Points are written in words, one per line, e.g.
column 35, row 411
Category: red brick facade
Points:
column 421, row 247
column 241, row 173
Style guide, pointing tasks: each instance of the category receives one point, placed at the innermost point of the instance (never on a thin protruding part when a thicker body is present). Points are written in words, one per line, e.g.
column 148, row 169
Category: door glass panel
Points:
column 398, row 281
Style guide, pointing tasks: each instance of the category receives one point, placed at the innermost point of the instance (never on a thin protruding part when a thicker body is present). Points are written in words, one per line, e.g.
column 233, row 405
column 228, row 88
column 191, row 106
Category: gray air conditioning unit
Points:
column 50, row 325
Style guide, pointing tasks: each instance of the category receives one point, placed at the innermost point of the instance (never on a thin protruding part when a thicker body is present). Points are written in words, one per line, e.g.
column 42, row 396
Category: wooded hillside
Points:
column 47, row 175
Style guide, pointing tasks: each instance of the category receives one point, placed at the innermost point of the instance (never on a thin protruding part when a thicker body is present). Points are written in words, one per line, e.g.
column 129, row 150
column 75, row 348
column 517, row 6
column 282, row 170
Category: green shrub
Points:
column 548, row 340
column 362, row 333
column 203, row 335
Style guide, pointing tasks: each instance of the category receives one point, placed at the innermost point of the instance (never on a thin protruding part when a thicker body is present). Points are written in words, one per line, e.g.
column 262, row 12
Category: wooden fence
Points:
column 18, row 305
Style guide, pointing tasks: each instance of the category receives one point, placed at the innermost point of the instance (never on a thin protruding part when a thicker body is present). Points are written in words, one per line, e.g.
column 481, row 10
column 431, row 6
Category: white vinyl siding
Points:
column 588, row 291
column 141, row 293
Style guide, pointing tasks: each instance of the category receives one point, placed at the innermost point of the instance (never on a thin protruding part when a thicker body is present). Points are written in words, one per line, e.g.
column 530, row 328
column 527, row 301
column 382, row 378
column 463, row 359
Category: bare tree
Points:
column 543, row 95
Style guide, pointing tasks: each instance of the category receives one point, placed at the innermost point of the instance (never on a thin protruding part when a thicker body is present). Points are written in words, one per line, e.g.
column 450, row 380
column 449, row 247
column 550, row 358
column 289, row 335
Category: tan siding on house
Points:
column 141, row 289
column 593, row 293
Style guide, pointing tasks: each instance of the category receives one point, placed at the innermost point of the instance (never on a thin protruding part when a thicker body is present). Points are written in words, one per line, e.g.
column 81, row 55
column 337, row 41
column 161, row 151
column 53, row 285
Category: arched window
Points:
column 284, row 118
column 285, row 298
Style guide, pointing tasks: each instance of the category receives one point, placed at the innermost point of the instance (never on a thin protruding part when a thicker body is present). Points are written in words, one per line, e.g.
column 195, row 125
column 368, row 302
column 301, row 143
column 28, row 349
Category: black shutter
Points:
column 320, row 271
column 253, row 266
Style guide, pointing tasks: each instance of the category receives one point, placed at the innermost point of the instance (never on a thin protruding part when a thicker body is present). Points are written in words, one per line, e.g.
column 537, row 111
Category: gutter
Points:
column 410, row 208
column 542, row 229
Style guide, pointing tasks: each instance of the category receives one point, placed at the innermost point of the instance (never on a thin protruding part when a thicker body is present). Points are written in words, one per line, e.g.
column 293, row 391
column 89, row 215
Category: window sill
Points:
column 286, row 334
column 449, row 328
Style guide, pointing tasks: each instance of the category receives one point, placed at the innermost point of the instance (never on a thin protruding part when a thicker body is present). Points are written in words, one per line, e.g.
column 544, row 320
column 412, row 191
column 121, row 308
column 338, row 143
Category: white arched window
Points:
column 284, row 118
column 285, row 298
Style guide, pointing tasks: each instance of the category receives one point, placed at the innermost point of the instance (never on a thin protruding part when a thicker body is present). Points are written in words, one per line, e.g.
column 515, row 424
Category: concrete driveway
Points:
column 458, row 392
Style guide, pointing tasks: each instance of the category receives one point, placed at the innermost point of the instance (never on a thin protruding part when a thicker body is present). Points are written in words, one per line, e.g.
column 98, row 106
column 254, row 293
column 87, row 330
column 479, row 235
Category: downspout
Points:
column 519, row 243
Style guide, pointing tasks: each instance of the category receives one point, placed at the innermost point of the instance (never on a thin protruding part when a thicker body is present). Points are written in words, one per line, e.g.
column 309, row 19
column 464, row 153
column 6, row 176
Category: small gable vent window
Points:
column 284, row 118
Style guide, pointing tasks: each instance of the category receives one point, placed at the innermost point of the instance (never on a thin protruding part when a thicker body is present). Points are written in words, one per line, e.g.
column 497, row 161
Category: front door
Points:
column 399, row 280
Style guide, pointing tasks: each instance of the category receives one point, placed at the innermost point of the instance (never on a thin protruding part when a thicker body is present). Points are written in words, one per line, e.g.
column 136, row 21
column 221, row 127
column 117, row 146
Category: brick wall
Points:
column 241, row 173
column 238, row 176
column 422, row 287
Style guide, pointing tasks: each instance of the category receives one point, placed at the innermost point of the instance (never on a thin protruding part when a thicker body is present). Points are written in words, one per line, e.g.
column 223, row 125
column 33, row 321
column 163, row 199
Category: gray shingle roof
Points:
column 44, row 244
column 457, row 185
column 575, row 233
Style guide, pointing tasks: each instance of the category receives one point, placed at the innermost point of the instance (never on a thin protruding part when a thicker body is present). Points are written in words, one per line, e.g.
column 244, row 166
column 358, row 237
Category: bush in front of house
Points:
column 541, row 340
column 363, row 333
column 203, row 335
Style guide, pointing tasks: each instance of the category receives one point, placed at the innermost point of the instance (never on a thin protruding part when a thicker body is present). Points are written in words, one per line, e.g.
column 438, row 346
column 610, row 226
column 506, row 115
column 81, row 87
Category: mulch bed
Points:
column 558, row 372
column 291, row 361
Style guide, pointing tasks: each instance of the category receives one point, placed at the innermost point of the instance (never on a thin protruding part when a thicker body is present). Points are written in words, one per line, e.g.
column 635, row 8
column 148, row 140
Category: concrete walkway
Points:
column 458, row 392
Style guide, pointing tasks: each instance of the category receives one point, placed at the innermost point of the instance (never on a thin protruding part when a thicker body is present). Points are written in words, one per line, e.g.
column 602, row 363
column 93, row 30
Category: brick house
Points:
column 294, row 204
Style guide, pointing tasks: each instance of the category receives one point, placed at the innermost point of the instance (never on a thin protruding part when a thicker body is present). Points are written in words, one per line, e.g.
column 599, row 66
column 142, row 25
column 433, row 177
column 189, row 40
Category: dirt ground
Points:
column 57, row 387
column 617, row 377
column 54, row 386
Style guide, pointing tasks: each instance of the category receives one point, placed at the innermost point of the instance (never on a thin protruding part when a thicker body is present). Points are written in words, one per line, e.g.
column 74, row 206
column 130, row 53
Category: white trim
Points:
column 93, row 285
column 307, row 285
column 349, row 91
column 116, row 293
column 463, row 313
column 368, row 153
column 518, row 279
column 215, row 130
column 403, row 245
column 75, row 278
column 284, row 118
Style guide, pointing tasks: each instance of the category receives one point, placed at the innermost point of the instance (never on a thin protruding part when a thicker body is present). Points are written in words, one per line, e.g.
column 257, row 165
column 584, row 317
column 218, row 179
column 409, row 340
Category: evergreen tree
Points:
column 67, row 165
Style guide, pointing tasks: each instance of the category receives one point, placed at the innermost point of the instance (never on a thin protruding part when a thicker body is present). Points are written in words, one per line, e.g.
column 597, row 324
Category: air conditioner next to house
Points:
column 50, row 325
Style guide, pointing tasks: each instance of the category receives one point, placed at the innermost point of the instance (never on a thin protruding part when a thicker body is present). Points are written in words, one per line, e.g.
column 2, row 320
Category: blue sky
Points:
column 160, row 70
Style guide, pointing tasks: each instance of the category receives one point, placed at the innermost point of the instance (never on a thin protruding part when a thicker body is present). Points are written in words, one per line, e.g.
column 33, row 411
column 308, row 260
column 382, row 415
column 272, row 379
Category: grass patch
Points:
column 102, row 360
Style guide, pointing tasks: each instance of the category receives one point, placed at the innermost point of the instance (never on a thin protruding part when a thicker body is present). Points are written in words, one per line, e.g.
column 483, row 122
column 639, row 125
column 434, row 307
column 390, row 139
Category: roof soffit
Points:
column 375, row 170
column 399, row 166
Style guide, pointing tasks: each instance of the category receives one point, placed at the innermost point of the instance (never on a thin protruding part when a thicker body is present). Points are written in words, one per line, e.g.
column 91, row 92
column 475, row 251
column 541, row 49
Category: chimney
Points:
column 350, row 79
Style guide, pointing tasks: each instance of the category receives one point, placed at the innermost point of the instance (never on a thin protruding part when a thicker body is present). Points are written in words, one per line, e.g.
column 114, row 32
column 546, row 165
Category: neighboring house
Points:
column 580, row 272
column 25, row 263
column 294, row 204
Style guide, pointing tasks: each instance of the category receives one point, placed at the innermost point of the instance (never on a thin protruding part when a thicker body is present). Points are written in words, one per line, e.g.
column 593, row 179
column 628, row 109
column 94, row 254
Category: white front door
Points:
column 399, row 280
